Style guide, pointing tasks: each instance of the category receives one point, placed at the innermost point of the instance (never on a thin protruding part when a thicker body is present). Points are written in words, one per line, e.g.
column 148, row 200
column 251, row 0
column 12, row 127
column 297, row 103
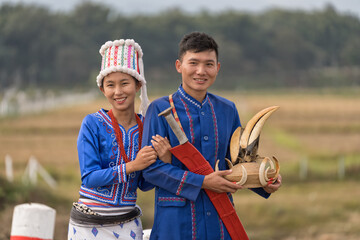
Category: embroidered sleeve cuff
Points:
column 190, row 185
column 122, row 173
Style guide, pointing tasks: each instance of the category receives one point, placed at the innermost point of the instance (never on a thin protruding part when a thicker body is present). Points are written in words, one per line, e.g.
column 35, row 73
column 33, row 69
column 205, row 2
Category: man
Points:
column 182, row 208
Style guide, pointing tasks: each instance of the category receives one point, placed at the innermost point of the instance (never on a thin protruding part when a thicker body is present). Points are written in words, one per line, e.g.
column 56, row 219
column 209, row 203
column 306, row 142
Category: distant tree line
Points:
column 276, row 48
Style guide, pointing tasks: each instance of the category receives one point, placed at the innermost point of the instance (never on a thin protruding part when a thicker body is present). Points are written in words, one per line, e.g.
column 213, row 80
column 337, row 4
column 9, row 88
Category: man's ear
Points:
column 178, row 66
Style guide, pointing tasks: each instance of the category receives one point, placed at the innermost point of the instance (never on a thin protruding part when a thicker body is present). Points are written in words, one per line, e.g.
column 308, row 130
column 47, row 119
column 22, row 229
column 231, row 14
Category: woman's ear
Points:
column 138, row 85
column 102, row 89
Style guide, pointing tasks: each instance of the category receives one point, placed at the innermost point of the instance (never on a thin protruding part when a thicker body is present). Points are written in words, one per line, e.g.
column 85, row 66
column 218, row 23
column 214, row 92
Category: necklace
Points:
column 118, row 134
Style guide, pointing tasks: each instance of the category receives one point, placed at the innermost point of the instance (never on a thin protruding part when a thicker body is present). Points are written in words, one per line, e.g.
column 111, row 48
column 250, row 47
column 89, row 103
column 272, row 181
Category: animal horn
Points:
column 229, row 163
column 253, row 127
column 277, row 167
column 263, row 174
column 244, row 176
column 234, row 145
column 217, row 166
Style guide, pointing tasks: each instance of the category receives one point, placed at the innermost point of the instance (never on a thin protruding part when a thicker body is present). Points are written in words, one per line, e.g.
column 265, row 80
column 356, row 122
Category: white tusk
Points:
column 229, row 163
column 255, row 132
column 262, row 172
column 267, row 169
column 244, row 139
column 244, row 176
column 271, row 164
column 265, row 174
column 217, row 166
column 277, row 167
column 235, row 144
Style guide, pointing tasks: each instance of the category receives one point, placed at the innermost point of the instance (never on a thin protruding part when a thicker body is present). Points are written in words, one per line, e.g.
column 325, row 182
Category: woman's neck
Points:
column 126, row 119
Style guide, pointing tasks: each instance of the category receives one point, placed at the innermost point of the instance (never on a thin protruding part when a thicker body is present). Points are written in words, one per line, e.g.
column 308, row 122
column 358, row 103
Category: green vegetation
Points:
column 274, row 49
column 18, row 193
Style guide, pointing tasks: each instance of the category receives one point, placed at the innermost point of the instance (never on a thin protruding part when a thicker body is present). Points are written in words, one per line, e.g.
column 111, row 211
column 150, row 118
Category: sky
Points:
column 193, row 6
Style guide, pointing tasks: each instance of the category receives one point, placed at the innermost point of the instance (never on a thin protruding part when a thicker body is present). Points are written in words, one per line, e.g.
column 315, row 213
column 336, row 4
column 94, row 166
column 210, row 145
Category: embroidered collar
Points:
column 119, row 136
column 102, row 114
column 190, row 99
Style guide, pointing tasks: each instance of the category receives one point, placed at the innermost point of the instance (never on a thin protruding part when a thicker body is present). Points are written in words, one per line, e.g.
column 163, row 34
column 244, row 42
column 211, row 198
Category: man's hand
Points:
column 162, row 148
column 273, row 187
column 217, row 183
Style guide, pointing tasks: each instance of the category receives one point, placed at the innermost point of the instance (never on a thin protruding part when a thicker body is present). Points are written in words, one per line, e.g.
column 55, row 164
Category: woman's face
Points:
column 120, row 89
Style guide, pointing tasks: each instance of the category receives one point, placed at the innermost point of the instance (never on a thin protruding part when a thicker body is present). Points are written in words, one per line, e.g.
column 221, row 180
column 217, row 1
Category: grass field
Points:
column 323, row 128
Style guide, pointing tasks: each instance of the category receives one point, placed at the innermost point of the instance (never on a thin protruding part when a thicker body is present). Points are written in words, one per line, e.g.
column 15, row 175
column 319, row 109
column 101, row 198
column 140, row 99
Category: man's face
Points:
column 199, row 71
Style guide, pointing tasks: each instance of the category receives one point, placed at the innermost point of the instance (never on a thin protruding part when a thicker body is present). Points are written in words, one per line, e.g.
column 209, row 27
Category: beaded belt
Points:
column 81, row 214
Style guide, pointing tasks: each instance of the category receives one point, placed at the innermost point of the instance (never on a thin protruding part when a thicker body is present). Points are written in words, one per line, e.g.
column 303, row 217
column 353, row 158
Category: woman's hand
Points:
column 145, row 157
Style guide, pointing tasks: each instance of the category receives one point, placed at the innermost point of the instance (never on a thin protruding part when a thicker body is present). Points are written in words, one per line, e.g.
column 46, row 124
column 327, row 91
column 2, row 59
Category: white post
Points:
column 9, row 168
column 33, row 221
column 46, row 176
column 32, row 169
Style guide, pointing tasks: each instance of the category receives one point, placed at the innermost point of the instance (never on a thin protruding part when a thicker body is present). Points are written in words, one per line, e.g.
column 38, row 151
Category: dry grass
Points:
column 302, row 211
column 319, row 127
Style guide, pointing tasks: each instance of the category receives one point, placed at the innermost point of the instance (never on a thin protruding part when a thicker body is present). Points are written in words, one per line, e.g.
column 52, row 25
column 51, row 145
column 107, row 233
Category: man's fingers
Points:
column 157, row 138
column 224, row 172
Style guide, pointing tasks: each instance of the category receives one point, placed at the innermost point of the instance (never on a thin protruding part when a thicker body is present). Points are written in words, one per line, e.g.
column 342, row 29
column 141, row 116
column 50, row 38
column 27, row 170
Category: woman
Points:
column 110, row 153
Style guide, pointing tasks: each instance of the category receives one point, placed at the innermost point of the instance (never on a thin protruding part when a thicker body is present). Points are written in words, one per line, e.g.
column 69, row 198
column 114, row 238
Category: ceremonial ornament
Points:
column 248, row 168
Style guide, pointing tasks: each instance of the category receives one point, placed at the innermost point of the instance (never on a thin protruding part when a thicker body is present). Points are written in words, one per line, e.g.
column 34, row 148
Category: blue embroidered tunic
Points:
column 103, row 171
column 182, row 208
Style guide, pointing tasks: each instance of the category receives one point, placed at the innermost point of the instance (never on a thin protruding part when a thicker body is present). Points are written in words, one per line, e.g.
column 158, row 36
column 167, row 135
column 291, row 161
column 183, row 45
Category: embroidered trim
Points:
column 189, row 99
column 109, row 56
column 193, row 220
column 115, row 54
column 222, row 237
column 181, row 185
column 122, row 173
column 192, row 135
column 117, row 193
column 205, row 100
column 216, row 134
column 109, row 198
column 171, row 199
column 132, row 151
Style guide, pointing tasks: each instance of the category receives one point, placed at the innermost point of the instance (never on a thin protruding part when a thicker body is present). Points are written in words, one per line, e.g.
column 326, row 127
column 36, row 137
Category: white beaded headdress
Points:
column 124, row 56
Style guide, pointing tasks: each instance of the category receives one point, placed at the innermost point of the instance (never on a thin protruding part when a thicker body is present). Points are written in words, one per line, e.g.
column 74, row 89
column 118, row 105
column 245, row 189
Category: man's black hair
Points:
column 197, row 42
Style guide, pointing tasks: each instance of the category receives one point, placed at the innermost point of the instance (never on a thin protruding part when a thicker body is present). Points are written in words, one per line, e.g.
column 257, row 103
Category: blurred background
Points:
column 301, row 55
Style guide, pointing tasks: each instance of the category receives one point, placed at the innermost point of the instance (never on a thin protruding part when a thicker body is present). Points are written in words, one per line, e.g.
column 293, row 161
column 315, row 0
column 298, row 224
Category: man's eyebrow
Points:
column 193, row 59
column 197, row 60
